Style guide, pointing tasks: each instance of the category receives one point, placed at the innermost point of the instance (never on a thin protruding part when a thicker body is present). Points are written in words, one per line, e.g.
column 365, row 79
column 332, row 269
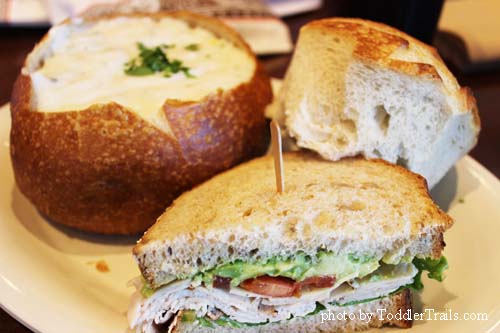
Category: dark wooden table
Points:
column 15, row 44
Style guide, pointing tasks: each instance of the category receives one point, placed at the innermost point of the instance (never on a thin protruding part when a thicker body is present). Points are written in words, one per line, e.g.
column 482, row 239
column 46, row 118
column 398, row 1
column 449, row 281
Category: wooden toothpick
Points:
column 278, row 156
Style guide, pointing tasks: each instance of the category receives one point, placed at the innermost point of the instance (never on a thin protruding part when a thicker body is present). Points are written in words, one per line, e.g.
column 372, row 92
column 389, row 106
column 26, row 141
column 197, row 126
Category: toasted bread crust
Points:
column 471, row 104
column 402, row 301
column 105, row 169
column 377, row 41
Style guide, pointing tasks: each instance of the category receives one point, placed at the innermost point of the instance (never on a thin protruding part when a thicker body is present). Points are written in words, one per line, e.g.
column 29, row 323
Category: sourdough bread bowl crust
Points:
column 105, row 169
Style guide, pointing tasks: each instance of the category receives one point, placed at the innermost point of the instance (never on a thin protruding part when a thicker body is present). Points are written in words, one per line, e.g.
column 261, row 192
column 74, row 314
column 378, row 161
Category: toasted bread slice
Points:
column 384, row 312
column 102, row 151
column 360, row 87
column 350, row 206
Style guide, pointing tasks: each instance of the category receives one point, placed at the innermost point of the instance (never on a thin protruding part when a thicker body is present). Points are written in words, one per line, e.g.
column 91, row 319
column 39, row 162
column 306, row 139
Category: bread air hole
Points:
column 248, row 212
column 377, row 153
column 284, row 212
column 353, row 206
column 382, row 117
column 341, row 141
column 402, row 161
column 308, row 197
column 349, row 125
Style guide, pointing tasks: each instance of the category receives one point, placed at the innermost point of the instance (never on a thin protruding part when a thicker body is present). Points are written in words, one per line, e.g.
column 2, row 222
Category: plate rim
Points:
column 487, row 179
column 20, row 320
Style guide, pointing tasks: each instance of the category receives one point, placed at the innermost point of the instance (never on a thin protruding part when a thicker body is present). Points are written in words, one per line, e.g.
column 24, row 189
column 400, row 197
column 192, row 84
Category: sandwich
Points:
column 352, row 236
column 114, row 116
column 356, row 87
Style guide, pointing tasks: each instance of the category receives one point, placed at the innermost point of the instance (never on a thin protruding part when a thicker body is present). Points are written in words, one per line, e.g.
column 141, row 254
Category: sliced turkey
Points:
column 247, row 307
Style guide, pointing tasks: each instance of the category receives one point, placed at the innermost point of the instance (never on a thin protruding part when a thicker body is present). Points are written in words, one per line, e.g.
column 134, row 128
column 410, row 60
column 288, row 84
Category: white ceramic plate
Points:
column 49, row 282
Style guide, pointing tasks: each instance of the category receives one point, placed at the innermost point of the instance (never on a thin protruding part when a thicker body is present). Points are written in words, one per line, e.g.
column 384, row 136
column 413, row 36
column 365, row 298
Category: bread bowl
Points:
column 103, row 151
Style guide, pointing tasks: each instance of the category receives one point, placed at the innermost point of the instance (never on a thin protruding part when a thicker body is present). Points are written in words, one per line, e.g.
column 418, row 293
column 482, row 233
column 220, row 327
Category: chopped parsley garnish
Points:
column 192, row 47
column 155, row 60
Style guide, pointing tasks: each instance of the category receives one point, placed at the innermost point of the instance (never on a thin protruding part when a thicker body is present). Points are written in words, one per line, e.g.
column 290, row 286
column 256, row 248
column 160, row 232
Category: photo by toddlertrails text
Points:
column 382, row 314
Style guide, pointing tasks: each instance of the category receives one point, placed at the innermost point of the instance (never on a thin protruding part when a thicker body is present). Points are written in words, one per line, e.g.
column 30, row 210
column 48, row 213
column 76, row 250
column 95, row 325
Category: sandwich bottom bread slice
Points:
column 344, row 239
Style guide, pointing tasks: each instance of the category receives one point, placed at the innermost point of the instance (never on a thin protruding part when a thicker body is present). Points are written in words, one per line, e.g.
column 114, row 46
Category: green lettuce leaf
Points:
column 205, row 322
column 319, row 307
column 434, row 267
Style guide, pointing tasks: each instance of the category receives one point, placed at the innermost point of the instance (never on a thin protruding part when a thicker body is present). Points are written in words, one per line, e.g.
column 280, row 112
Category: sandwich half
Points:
column 351, row 236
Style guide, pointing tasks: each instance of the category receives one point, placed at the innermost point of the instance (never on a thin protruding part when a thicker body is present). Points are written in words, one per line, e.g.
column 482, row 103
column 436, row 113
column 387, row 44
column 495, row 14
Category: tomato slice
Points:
column 274, row 286
column 278, row 286
column 325, row 281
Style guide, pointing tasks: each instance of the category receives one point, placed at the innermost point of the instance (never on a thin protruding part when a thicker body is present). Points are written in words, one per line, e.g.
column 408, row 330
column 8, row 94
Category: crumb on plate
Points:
column 102, row 266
